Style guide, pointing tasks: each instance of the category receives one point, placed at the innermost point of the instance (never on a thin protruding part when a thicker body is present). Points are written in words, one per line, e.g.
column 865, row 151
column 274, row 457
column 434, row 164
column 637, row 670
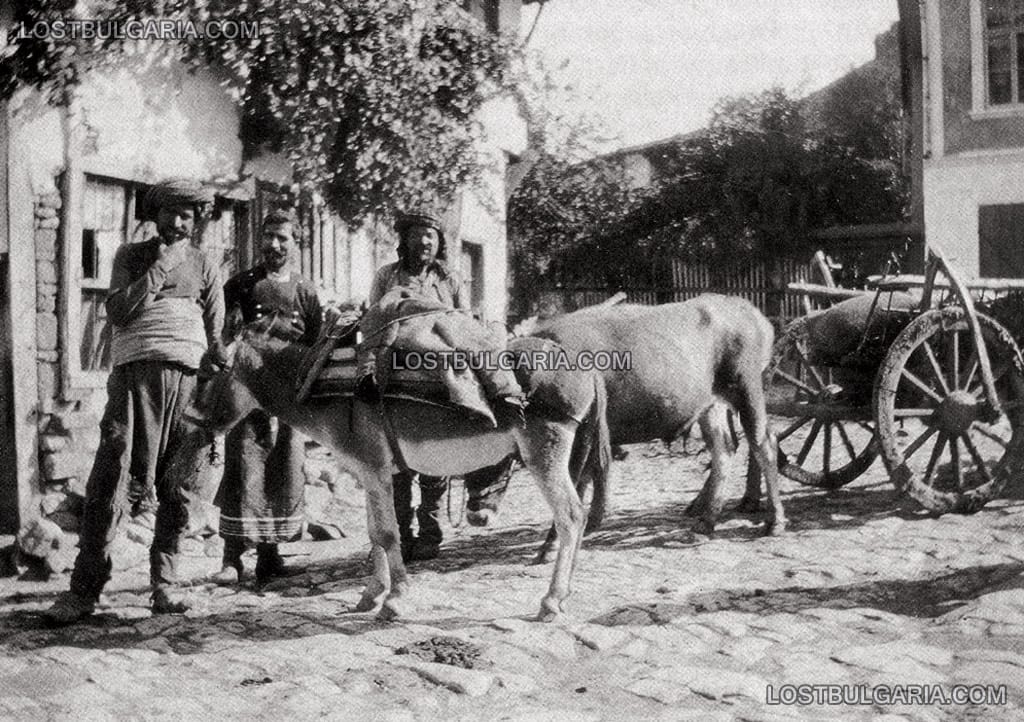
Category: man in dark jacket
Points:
column 261, row 493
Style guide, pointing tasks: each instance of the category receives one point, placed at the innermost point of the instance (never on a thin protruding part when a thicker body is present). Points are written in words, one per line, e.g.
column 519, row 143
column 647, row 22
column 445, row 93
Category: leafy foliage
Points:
column 373, row 101
column 767, row 171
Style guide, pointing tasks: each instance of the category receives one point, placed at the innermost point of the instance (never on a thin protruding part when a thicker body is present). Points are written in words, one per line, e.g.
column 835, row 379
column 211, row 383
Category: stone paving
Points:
column 864, row 591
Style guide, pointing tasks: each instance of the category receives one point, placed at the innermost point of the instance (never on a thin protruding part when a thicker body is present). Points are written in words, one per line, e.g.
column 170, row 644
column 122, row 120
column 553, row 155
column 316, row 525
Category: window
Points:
column 1001, row 241
column 1004, row 51
column 105, row 213
column 109, row 217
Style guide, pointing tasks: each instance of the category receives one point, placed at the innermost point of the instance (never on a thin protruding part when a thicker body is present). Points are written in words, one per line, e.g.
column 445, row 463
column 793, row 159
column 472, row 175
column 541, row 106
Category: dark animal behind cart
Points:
column 922, row 371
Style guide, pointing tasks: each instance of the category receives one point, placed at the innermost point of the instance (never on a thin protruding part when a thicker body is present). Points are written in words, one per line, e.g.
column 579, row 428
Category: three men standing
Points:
column 261, row 493
column 166, row 307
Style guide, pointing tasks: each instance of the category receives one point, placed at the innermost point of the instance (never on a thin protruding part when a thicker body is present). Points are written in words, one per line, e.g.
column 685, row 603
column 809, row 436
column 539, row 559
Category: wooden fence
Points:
column 751, row 281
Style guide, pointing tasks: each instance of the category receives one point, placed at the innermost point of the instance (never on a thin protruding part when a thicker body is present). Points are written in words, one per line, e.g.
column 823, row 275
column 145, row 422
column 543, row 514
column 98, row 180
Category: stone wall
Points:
column 68, row 437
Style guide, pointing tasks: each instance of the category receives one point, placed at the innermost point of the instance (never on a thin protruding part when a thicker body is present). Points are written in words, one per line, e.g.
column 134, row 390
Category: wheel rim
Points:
column 825, row 426
column 940, row 442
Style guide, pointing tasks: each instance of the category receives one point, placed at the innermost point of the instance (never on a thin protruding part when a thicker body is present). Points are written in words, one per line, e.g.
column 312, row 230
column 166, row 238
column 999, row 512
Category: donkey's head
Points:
column 254, row 376
column 224, row 399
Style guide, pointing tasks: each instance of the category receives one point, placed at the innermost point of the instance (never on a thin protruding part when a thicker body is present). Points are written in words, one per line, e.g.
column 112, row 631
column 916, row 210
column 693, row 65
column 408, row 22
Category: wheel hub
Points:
column 830, row 393
column 957, row 412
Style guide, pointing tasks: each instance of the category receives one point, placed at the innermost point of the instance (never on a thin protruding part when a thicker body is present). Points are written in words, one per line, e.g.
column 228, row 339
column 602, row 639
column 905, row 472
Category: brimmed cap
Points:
column 175, row 192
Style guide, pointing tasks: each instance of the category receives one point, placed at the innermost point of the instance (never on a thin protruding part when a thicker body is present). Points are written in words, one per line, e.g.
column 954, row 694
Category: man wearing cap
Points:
column 261, row 493
column 166, row 308
column 422, row 268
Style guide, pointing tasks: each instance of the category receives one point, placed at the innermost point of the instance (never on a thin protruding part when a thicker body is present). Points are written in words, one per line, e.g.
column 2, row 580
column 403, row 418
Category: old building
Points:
column 972, row 65
column 71, row 179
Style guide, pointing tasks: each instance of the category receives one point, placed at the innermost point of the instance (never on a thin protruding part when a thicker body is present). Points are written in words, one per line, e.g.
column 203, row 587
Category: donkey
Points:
column 688, row 362
column 566, row 416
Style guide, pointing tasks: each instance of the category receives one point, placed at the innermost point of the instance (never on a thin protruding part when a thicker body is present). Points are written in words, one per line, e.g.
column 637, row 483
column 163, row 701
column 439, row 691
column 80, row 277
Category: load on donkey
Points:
column 413, row 425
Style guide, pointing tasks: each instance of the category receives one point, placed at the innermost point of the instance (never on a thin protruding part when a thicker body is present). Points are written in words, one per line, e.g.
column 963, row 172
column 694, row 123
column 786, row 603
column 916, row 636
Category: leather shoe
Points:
column 423, row 551
column 229, row 575
column 67, row 609
column 163, row 602
column 270, row 565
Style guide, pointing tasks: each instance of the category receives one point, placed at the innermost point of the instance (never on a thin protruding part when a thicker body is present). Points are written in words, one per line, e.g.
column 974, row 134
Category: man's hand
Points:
column 171, row 255
column 213, row 362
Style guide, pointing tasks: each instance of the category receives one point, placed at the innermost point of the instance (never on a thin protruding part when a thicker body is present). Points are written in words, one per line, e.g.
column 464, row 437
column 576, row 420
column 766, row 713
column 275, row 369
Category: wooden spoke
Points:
column 851, row 450
column 972, row 366
column 936, row 369
column 918, row 442
column 866, row 426
column 827, row 451
column 808, row 442
column 985, row 432
column 973, row 451
column 793, row 427
column 954, row 453
column 956, row 360
column 936, row 453
column 794, row 381
column 810, row 367
column 912, row 377
column 912, row 413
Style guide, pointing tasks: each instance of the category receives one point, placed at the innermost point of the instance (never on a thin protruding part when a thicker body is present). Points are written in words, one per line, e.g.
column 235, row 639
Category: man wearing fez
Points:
column 166, row 308
column 261, row 493
column 422, row 268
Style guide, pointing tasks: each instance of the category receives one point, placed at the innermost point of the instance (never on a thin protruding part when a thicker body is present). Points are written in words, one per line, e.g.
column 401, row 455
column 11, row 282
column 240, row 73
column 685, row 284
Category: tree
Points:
column 372, row 101
column 563, row 212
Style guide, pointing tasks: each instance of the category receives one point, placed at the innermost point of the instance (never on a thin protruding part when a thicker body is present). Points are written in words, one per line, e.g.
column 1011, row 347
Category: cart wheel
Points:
column 828, row 437
column 939, row 441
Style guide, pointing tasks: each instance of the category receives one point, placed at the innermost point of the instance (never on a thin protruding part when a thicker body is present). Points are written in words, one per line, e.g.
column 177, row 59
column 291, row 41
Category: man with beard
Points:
column 422, row 268
column 166, row 308
column 261, row 493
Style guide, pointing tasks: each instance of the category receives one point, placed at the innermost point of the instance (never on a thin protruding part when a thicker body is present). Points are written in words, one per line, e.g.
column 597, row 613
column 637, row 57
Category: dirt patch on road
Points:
column 445, row 650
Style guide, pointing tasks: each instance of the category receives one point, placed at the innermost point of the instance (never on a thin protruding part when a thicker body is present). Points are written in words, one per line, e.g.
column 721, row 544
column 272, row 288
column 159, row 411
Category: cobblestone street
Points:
column 663, row 624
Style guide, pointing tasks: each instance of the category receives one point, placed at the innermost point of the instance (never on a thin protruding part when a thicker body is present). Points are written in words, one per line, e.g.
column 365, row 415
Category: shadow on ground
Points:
column 923, row 598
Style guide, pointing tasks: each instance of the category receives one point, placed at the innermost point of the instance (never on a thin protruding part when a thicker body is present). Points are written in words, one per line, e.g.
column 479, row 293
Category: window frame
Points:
column 76, row 381
column 981, row 107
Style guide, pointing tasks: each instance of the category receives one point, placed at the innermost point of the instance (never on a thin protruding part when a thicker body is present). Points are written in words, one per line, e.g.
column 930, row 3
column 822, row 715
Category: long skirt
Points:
column 261, row 494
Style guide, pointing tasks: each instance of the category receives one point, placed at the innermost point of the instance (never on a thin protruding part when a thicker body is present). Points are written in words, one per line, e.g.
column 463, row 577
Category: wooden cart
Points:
column 936, row 389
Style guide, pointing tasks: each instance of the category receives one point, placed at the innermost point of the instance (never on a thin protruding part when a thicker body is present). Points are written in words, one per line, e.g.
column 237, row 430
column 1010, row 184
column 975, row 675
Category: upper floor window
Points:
column 1004, row 51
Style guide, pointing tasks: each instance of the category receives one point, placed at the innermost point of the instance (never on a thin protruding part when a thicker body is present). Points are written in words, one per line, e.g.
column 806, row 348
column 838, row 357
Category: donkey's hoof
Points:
column 704, row 527
column 390, row 611
column 550, row 611
column 543, row 556
column 365, row 604
column 482, row 517
column 370, row 599
column 775, row 528
column 748, row 505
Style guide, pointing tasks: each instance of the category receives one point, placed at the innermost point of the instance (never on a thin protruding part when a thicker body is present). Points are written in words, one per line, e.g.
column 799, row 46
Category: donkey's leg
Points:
column 763, row 445
column 714, row 426
column 751, row 501
column 389, row 581
column 544, row 552
column 546, row 448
